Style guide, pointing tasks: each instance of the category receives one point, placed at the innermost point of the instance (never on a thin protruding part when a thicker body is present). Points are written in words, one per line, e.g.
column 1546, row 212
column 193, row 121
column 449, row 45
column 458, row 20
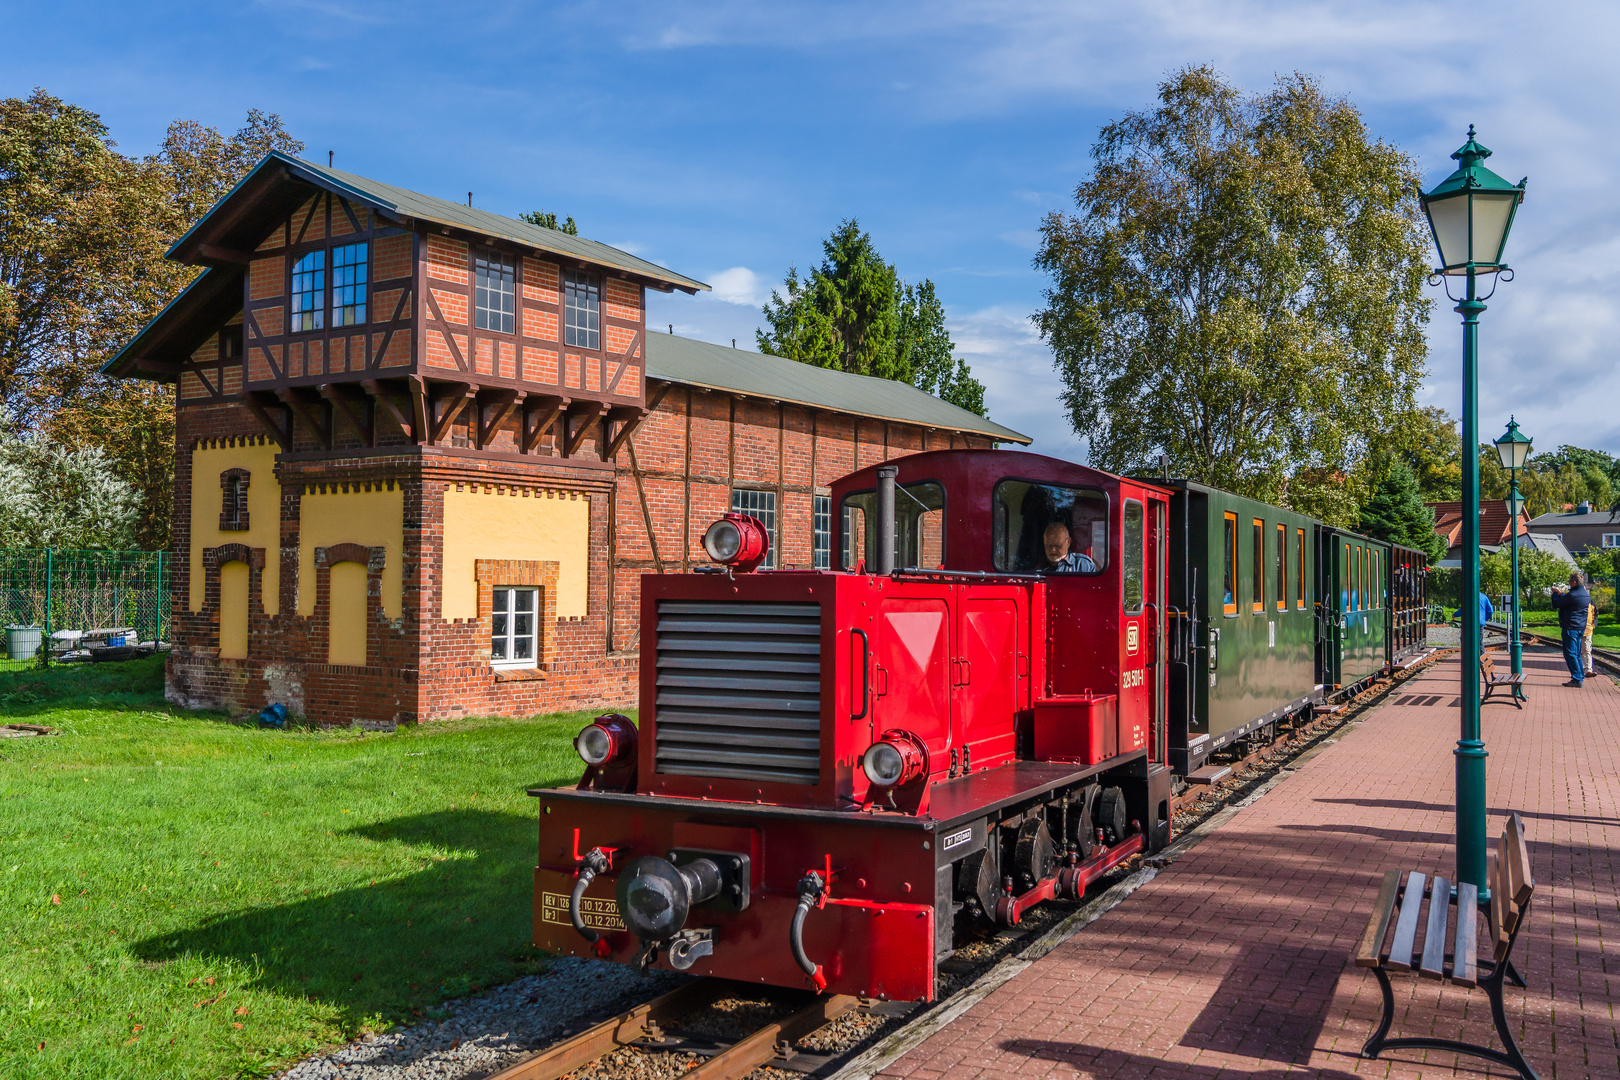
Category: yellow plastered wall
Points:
column 233, row 609
column 549, row 526
column 372, row 518
column 346, row 634
column 264, row 515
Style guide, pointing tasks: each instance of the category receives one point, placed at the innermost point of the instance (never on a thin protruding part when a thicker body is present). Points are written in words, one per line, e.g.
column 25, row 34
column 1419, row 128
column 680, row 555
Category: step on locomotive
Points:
column 985, row 704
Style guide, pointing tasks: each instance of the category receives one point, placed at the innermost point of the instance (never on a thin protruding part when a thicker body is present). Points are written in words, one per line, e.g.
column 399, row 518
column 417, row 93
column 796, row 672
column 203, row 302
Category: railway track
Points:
column 1607, row 659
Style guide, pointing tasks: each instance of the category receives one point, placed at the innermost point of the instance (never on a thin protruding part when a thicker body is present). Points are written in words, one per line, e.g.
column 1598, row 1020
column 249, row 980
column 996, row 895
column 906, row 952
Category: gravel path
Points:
column 494, row 1030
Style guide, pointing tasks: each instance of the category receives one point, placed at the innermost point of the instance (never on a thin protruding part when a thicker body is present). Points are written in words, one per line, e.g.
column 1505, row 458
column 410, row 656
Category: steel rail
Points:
column 634, row 1026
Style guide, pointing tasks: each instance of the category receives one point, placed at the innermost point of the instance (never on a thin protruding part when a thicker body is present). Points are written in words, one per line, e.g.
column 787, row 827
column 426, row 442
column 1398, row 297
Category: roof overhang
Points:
column 167, row 342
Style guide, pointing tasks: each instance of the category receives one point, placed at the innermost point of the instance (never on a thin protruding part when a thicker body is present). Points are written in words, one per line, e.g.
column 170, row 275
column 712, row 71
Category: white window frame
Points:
column 759, row 503
column 1611, row 540
column 821, row 531
column 504, row 601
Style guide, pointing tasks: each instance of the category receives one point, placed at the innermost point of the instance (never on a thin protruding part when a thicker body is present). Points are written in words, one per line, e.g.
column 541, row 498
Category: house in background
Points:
column 1583, row 529
column 1495, row 527
column 424, row 453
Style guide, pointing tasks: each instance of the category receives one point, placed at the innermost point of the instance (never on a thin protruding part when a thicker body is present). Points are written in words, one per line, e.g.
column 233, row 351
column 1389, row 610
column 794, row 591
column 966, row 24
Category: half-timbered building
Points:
column 425, row 452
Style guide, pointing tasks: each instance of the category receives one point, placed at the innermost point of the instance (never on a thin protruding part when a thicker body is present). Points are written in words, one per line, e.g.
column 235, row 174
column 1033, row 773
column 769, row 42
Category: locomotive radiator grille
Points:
column 739, row 690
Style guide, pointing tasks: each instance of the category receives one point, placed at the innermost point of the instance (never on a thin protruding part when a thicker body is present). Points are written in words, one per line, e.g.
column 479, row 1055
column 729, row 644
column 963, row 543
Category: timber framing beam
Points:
column 356, row 407
column 446, row 408
column 493, row 407
column 540, row 412
column 259, row 403
column 581, row 421
column 405, row 420
column 317, row 414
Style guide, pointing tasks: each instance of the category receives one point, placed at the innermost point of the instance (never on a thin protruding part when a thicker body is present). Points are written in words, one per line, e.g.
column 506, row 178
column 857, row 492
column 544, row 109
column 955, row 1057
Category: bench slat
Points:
column 1465, row 963
column 1502, row 912
column 1404, row 946
column 1521, row 880
column 1372, row 939
column 1434, row 936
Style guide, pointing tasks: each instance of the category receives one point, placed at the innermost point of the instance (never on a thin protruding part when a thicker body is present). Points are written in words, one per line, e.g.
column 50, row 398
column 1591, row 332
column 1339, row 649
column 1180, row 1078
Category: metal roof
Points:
column 698, row 363
column 400, row 203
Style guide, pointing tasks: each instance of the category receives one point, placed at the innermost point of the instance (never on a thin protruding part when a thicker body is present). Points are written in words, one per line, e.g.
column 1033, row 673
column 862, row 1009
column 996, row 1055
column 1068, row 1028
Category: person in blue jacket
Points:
column 1486, row 609
column 1572, row 604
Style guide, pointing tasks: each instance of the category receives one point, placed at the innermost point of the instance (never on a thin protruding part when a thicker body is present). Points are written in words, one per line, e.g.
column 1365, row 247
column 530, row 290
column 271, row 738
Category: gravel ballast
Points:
column 495, row 1030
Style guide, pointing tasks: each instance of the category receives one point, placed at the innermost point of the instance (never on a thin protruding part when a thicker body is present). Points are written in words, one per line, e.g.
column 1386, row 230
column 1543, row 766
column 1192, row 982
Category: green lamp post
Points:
column 1513, row 450
column 1470, row 213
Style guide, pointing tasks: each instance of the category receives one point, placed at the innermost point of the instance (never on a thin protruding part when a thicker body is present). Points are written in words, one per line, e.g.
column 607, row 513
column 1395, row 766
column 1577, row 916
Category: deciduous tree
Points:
column 1241, row 288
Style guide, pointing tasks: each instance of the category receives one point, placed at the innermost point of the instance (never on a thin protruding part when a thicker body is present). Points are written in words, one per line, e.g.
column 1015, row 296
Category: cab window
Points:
column 1049, row 528
column 1131, row 544
column 919, row 527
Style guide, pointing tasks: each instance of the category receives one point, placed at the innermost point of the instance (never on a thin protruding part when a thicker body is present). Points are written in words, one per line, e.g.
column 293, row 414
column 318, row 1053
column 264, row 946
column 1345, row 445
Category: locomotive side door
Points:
column 1137, row 662
column 990, row 673
column 1157, row 584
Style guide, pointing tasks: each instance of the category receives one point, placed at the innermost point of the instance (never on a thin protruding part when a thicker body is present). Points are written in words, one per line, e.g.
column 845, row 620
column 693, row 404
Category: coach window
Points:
column 1023, row 511
column 514, row 615
column 1299, row 569
column 582, row 304
column 919, row 526
column 496, row 288
column 1259, row 575
column 1229, row 576
column 1344, row 580
column 1282, row 567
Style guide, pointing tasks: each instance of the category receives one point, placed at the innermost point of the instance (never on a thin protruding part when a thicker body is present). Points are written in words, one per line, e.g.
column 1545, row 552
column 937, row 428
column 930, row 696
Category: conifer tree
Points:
column 1396, row 513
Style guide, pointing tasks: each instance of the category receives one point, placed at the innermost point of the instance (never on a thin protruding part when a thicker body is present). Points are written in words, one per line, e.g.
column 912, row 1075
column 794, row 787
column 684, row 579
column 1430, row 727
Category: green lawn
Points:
column 1606, row 635
column 183, row 896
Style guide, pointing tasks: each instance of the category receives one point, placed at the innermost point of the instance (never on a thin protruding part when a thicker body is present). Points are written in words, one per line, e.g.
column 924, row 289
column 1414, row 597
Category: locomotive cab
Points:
column 961, row 718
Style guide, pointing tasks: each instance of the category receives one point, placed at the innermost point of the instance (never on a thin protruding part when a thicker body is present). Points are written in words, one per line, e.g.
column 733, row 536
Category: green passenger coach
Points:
column 1353, row 600
column 1242, row 619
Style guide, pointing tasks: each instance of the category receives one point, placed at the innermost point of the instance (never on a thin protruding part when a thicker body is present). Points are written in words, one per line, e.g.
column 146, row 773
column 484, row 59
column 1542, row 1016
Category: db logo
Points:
column 1133, row 638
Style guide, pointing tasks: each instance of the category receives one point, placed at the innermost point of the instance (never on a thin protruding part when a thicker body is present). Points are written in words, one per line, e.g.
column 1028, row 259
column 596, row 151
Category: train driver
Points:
column 1055, row 542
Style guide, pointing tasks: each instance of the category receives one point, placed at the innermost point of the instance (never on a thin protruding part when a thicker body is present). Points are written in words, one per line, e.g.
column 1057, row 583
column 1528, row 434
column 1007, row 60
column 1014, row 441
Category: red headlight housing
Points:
column 895, row 760
column 608, row 741
column 738, row 541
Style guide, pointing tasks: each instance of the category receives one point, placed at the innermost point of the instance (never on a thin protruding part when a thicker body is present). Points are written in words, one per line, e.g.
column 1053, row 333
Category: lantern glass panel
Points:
column 1449, row 218
column 1492, row 211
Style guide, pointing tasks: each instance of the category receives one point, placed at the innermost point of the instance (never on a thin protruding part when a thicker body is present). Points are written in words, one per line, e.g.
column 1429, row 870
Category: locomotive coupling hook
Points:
column 811, row 892
column 595, row 863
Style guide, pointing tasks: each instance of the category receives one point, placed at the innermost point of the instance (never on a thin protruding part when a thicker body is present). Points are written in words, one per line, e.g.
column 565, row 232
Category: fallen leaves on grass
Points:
column 205, row 980
column 240, row 1010
column 55, row 899
column 209, row 1001
column 234, row 1024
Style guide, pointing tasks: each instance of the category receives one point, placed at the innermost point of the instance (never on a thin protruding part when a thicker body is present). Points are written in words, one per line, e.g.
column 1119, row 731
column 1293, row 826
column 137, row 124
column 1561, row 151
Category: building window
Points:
column 1229, row 576
column 1609, row 539
column 1259, row 596
column 762, row 505
column 349, row 285
column 233, row 504
column 1299, row 569
column 497, row 287
column 230, row 343
column 582, row 301
column 514, row 617
column 309, row 292
column 821, row 532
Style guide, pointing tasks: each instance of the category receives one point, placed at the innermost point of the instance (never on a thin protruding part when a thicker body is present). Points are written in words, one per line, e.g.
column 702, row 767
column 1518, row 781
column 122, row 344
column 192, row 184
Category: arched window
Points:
column 233, row 504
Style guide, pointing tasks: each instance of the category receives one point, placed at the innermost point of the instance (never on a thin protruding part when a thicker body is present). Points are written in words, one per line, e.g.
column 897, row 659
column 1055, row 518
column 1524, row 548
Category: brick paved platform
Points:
column 1235, row 961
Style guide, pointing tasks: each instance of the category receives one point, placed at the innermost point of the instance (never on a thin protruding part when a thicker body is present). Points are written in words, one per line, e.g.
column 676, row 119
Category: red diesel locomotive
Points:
column 833, row 769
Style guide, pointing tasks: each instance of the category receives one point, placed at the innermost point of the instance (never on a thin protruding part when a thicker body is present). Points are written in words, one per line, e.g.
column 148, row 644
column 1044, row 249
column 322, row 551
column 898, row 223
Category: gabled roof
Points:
column 698, row 363
column 1495, row 521
column 1593, row 517
column 280, row 182
column 185, row 322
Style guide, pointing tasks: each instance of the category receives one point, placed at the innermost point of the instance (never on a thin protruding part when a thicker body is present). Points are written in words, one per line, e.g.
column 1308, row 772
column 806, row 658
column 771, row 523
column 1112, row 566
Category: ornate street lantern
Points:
column 1470, row 213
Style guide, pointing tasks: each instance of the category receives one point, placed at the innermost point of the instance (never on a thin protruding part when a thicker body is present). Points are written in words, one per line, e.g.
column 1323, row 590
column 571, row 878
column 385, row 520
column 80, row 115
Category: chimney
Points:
column 1584, row 508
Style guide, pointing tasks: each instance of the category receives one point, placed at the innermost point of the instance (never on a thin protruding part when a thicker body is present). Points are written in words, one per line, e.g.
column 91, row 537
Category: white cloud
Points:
column 1021, row 387
column 739, row 285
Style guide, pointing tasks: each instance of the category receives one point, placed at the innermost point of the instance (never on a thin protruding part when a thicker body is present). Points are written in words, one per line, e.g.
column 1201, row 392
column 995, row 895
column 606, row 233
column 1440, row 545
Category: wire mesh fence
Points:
column 86, row 590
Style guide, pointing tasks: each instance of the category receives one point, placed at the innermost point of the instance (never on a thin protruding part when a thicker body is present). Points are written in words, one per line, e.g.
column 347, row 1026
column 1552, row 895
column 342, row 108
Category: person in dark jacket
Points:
column 1572, row 605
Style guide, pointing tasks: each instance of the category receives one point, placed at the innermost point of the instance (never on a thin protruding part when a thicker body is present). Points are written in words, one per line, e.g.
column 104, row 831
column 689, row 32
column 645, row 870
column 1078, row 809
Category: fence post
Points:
column 46, row 648
column 162, row 595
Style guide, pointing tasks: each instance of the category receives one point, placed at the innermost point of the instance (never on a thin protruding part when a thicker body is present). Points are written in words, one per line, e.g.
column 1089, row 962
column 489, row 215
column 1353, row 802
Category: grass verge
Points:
column 184, row 896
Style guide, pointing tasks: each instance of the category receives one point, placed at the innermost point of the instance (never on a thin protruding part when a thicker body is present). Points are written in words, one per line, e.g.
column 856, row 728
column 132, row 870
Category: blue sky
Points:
column 726, row 140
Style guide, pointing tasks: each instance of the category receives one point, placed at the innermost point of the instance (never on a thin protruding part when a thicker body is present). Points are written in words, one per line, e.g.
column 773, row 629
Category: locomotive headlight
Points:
column 722, row 541
column 898, row 758
column 737, row 540
column 609, row 739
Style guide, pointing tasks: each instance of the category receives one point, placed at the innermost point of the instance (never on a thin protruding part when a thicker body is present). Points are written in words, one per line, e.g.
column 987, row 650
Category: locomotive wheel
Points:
column 1111, row 815
column 979, row 880
column 1084, row 834
column 1034, row 857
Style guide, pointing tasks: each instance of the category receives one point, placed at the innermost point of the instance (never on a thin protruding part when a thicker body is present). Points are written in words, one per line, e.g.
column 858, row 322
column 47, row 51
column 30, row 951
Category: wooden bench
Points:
column 1493, row 681
column 1449, row 949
